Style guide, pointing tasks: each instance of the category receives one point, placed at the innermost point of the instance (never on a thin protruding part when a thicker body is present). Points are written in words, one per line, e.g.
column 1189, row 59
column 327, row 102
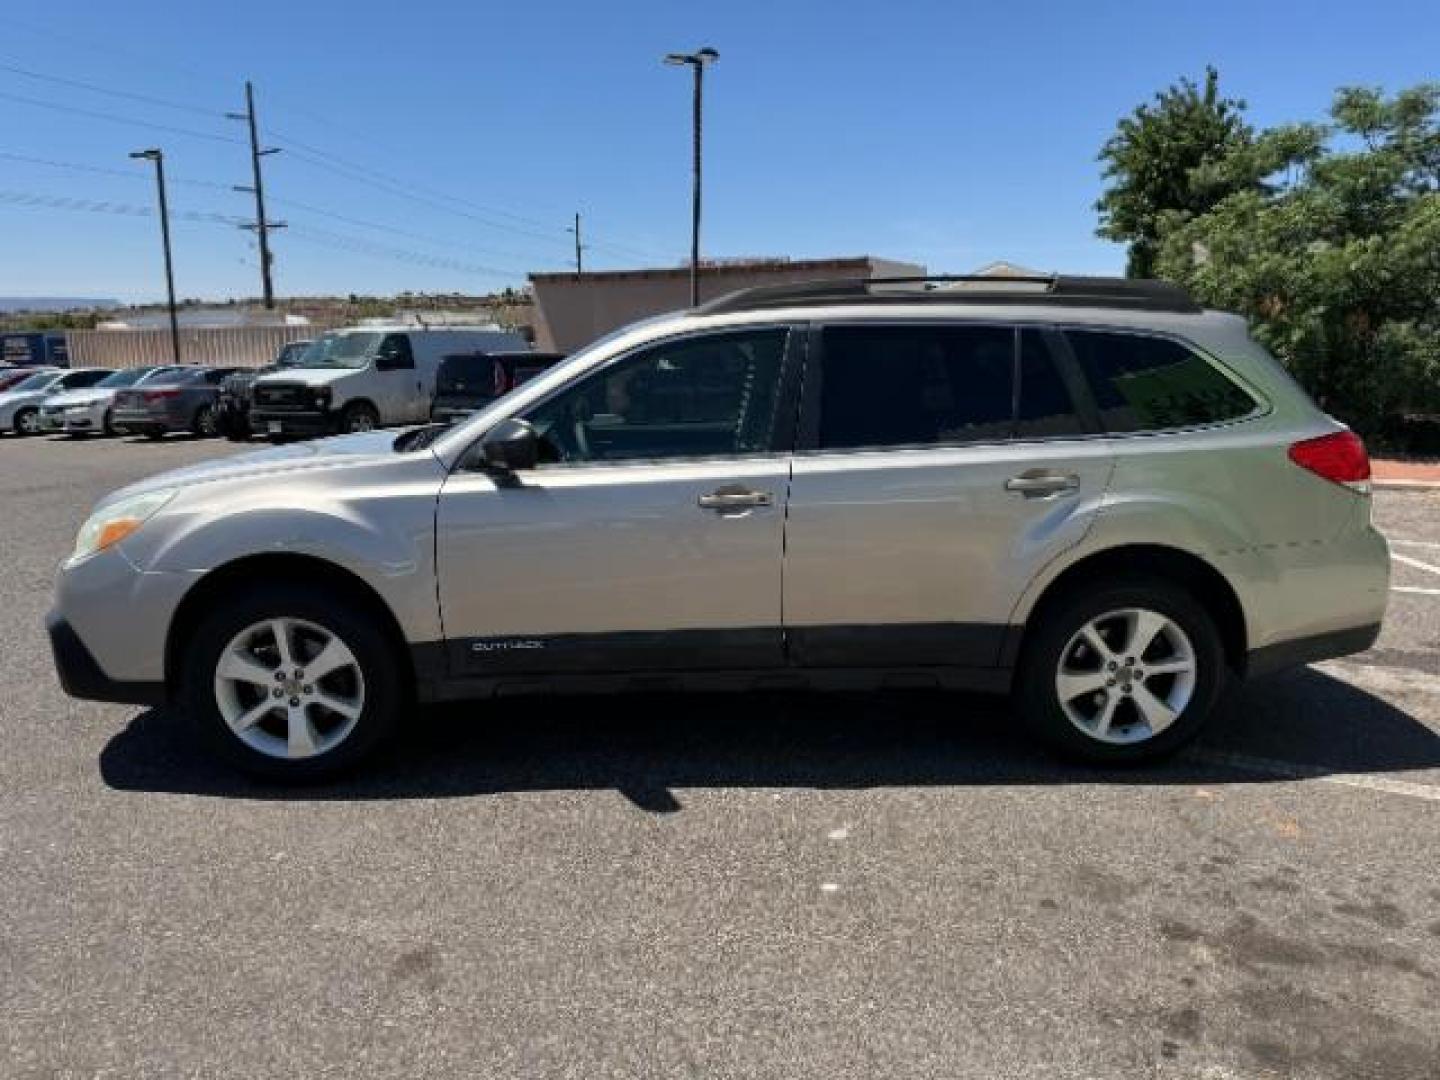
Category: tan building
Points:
column 573, row 310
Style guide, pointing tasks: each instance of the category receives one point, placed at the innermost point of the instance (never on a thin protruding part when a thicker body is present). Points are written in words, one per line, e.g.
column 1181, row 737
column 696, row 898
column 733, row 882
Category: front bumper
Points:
column 81, row 675
column 296, row 422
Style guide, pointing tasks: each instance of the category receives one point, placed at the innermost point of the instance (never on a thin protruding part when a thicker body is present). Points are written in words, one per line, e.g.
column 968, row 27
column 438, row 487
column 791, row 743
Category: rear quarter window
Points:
column 1144, row 383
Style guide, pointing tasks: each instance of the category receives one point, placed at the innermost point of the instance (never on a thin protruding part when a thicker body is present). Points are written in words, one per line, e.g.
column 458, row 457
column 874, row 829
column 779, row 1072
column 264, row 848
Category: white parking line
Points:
column 1397, row 542
column 1271, row 767
column 1408, row 561
column 1415, row 590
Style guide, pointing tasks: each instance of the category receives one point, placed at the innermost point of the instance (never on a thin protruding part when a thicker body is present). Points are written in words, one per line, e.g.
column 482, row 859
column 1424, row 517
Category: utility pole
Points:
column 159, row 159
column 696, row 61
column 261, row 226
column 579, row 247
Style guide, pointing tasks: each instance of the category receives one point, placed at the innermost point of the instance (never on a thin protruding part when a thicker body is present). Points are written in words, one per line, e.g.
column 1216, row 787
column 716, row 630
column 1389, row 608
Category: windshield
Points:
column 341, row 351
column 128, row 377
column 293, row 354
column 36, row 382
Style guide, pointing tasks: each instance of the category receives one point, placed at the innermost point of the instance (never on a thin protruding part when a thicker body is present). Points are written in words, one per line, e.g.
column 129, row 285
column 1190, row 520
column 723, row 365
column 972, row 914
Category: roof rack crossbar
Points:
column 1055, row 289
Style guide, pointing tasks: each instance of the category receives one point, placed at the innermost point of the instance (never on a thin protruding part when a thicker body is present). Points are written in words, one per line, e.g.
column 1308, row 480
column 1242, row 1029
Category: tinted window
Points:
column 125, row 377
column 82, row 378
column 466, row 375
column 395, row 351
column 1145, row 383
column 698, row 397
column 915, row 385
column 1046, row 408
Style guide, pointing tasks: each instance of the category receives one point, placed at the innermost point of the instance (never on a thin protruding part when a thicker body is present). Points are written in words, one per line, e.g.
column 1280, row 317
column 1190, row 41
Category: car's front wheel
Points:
column 292, row 684
column 358, row 416
column 1122, row 673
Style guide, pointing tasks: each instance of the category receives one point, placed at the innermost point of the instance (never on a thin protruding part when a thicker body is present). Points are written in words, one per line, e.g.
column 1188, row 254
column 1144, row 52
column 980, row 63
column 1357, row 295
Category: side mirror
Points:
column 511, row 446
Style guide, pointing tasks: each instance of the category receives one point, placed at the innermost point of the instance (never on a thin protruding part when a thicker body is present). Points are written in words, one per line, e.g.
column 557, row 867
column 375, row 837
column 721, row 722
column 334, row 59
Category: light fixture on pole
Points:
column 158, row 158
column 696, row 61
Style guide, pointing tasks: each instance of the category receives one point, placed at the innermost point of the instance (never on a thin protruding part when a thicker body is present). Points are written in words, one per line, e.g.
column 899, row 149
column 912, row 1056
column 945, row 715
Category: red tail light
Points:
column 1340, row 458
column 160, row 395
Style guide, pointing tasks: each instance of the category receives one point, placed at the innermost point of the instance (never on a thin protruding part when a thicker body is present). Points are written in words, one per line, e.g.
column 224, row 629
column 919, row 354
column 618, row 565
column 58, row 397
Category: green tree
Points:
column 1153, row 164
column 1336, row 259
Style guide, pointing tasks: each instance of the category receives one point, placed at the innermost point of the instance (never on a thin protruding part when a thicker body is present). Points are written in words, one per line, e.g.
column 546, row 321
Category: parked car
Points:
column 232, row 411
column 20, row 405
column 1088, row 493
column 183, row 401
column 467, row 382
column 363, row 378
column 87, row 411
column 11, row 376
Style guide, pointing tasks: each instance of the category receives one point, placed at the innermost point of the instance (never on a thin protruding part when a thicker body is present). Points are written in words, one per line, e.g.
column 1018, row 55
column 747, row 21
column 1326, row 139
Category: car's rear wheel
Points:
column 1122, row 673
column 27, row 422
column 203, row 425
column 358, row 416
column 291, row 684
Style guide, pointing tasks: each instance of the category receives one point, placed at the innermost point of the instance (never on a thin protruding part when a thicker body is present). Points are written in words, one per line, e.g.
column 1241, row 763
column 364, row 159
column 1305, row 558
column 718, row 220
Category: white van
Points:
column 365, row 377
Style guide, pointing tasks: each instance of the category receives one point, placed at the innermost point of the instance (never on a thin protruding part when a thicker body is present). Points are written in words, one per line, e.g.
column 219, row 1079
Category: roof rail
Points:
column 1065, row 290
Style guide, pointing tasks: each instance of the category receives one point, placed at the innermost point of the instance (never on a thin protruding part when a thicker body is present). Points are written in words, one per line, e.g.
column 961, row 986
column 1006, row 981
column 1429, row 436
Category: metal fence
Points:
column 245, row 346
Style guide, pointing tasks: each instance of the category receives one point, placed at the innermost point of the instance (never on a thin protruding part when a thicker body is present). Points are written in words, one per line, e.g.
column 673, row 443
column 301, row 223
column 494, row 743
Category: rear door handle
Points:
column 1039, row 484
column 735, row 498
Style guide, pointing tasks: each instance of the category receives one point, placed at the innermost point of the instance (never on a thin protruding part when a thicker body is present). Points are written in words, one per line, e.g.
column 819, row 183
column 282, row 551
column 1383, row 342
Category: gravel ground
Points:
column 745, row 886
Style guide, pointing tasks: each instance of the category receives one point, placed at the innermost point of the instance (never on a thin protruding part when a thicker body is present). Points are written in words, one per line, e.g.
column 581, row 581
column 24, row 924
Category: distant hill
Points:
column 53, row 303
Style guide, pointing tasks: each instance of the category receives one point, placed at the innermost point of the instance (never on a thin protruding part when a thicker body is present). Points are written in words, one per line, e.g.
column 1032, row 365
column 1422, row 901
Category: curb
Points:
column 1406, row 485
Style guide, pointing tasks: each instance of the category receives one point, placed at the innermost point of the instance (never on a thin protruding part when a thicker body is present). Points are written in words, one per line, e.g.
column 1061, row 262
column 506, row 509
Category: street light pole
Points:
column 159, row 159
column 696, row 61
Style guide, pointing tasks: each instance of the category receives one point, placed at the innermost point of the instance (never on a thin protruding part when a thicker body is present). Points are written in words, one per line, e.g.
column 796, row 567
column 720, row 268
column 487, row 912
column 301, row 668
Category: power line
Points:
column 342, row 242
column 306, row 233
column 31, row 199
column 364, row 223
column 129, row 174
column 127, row 94
column 94, row 115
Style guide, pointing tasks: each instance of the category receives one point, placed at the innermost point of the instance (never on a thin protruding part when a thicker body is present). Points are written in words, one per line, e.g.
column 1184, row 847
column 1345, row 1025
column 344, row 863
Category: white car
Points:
column 88, row 410
column 20, row 405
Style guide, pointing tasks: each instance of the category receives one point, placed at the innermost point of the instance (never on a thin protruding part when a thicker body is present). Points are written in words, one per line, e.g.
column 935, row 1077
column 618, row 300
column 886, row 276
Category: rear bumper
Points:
column 81, row 675
column 1307, row 650
column 137, row 420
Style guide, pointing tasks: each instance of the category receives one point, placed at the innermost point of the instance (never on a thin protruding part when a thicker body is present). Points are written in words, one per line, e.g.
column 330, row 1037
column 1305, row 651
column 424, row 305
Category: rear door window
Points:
column 1144, row 383
column 1046, row 408
column 890, row 386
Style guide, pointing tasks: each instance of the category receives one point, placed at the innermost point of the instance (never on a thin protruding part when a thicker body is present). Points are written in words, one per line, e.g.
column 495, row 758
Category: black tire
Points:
column 202, row 426
column 358, row 416
column 1055, row 626
column 384, row 693
column 27, row 422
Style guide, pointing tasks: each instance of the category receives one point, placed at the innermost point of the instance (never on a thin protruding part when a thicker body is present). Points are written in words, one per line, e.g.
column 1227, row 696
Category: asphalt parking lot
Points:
column 771, row 887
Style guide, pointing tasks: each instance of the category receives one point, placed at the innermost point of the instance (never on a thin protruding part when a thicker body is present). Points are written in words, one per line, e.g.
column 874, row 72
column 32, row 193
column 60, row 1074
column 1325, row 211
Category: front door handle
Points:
column 1041, row 483
column 734, row 497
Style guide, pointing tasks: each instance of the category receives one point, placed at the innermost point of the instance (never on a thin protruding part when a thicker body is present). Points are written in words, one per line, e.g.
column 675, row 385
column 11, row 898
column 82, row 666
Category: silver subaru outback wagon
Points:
column 1087, row 493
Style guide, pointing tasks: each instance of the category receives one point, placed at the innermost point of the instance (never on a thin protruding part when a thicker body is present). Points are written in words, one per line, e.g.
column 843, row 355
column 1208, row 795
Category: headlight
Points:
column 109, row 526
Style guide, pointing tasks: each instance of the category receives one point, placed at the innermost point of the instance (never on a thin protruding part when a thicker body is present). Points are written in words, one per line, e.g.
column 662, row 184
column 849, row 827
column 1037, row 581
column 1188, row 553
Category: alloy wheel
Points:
column 1126, row 676
column 289, row 688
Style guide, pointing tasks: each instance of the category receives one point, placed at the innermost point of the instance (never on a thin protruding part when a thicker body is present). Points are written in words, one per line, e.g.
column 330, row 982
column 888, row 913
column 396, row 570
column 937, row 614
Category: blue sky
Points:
column 948, row 133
